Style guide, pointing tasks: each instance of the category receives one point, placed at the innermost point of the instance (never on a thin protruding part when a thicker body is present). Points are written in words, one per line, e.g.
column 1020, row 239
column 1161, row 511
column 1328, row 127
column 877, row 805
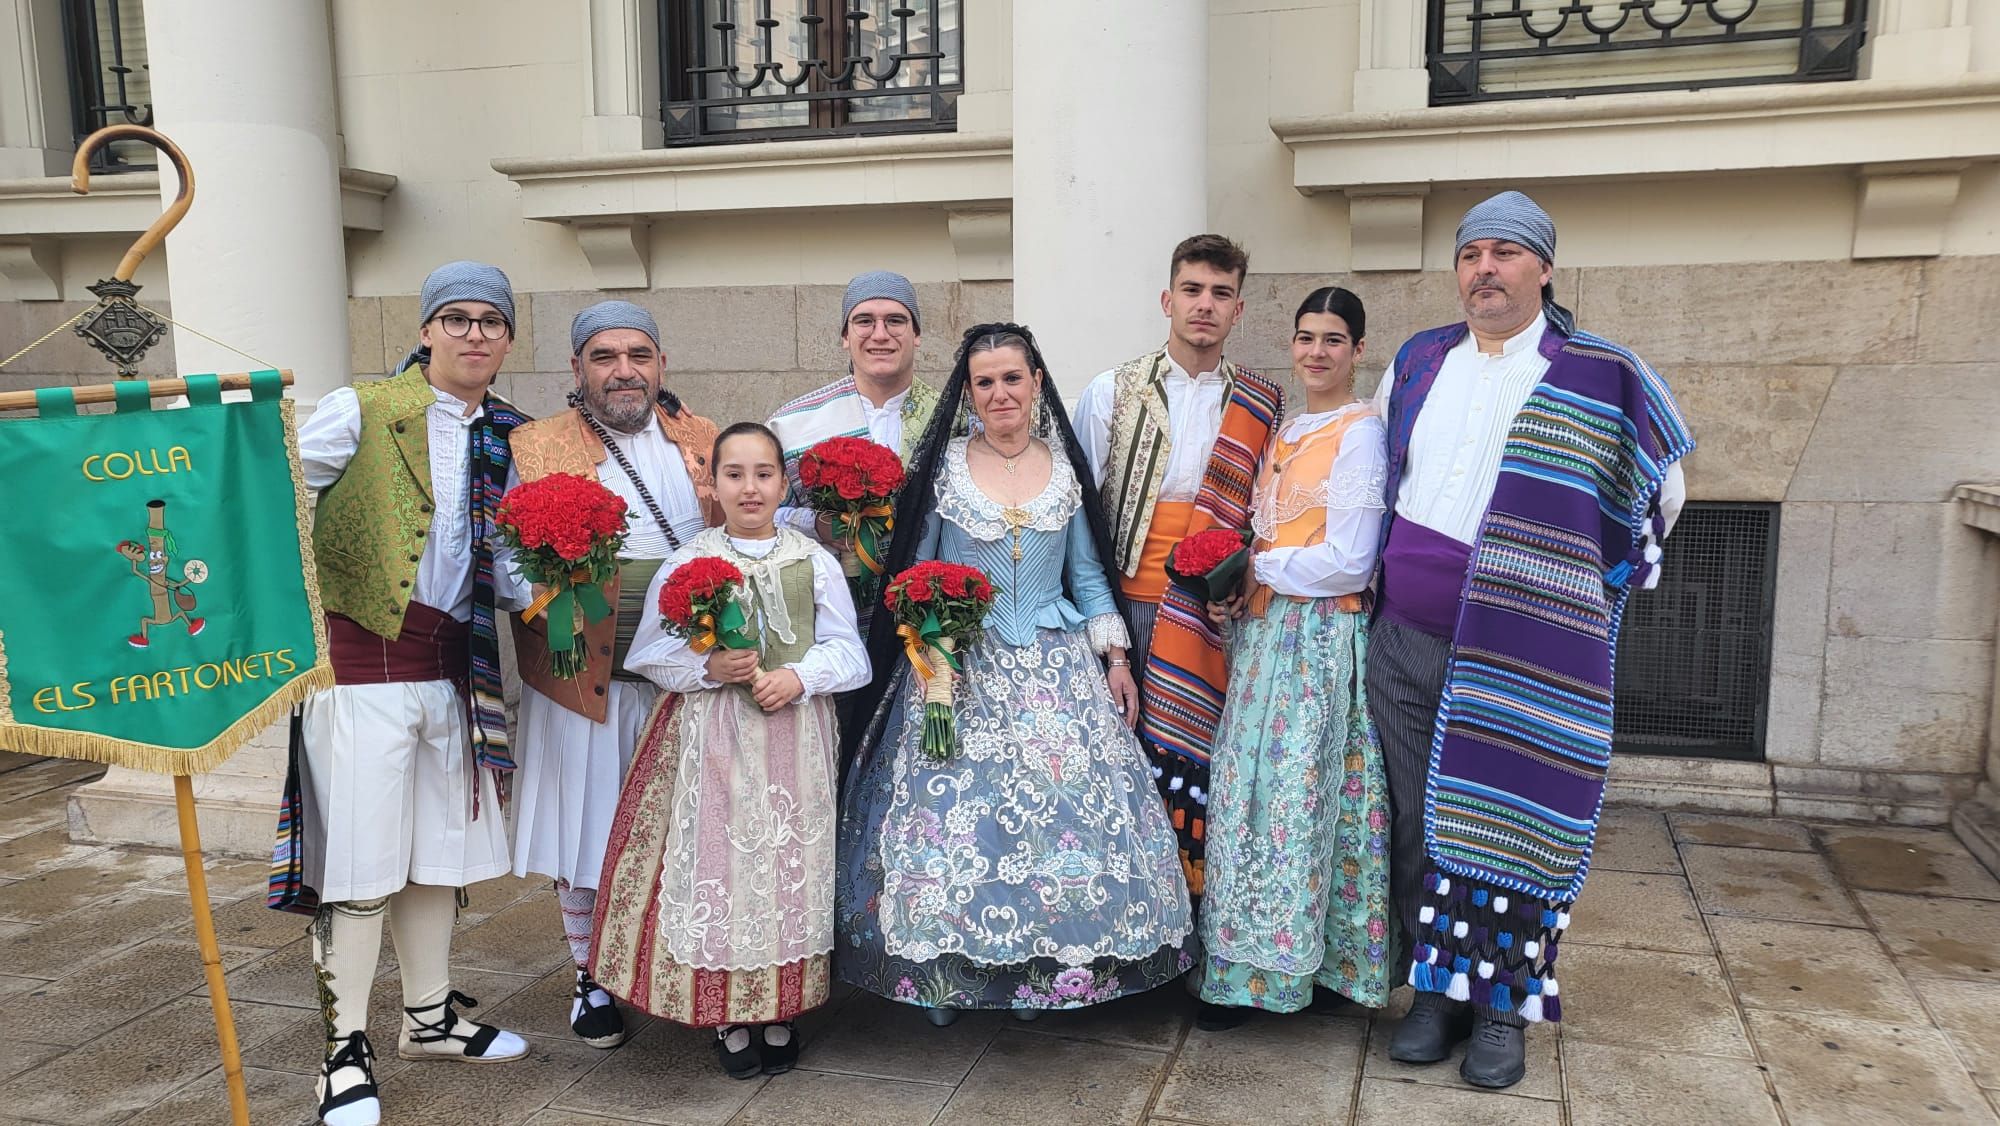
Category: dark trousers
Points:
column 1406, row 671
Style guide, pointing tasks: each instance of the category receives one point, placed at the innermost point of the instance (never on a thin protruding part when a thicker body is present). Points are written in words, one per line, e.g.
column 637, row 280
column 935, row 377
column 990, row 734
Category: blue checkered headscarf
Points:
column 460, row 281
column 1520, row 220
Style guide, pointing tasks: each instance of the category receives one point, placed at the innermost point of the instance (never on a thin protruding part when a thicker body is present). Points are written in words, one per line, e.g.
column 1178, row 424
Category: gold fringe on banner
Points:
column 168, row 760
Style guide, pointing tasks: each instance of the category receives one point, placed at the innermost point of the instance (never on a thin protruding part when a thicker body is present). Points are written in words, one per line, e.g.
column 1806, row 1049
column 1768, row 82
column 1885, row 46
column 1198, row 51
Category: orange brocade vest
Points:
column 1289, row 509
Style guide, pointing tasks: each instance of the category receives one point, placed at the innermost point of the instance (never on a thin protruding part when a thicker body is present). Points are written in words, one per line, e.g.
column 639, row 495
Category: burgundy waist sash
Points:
column 432, row 646
column 1423, row 573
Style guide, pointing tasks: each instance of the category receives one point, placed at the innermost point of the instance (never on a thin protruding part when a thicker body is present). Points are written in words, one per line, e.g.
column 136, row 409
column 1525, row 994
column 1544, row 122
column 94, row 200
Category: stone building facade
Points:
column 1811, row 255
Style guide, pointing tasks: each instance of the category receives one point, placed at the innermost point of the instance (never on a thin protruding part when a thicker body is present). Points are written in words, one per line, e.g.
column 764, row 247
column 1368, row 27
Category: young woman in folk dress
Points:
column 1298, row 812
column 716, row 902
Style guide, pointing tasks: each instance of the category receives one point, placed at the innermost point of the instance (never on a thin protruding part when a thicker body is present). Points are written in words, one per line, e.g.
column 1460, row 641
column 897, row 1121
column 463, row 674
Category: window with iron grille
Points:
column 1694, row 656
column 108, row 81
column 1488, row 50
column 740, row 70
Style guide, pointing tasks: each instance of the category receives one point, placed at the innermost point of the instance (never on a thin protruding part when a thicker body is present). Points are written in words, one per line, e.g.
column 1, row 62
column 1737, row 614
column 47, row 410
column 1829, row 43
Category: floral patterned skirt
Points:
column 1035, row 869
column 1298, row 819
column 715, row 905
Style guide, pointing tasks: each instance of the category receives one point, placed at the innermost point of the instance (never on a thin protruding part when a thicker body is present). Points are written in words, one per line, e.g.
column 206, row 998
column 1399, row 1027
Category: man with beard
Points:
column 1532, row 471
column 1175, row 438
column 577, row 735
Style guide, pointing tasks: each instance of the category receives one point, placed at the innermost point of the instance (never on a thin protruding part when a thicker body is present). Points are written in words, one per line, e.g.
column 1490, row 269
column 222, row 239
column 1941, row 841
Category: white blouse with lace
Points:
column 1344, row 561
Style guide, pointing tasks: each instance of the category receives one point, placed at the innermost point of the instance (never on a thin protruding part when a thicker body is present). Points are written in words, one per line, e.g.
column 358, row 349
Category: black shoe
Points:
column 356, row 1103
column 779, row 1058
column 1219, row 1018
column 600, row 1026
column 1434, row 1025
column 1329, row 1003
column 746, row 1064
column 1497, row 1056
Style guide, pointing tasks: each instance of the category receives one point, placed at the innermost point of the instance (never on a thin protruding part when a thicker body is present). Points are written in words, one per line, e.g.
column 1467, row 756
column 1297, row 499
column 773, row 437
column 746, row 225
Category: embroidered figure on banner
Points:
column 150, row 560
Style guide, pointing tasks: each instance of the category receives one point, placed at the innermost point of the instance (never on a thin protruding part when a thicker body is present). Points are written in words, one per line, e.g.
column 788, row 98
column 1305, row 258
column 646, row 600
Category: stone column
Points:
column 246, row 90
column 1977, row 821
column 1110, row 171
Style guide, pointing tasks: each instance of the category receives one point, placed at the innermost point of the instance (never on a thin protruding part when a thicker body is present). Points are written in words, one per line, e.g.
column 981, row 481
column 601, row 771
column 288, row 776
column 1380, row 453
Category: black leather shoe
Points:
column 1219, row 1018
column 1497, row 1056
column 745, row 1064
column 1434, row 1025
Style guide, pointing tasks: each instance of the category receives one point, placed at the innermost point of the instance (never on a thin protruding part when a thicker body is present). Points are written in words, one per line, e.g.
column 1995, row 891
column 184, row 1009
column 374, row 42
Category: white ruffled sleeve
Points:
column 837, row 661
column 660, row 655
column 329, row 437
column 1344, row 562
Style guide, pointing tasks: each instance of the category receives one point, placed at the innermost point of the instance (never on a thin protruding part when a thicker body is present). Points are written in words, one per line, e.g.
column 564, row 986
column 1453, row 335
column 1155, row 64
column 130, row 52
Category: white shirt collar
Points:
column 1528, row 337
column 892, row 403
column 1176, row 371
column 457, row 405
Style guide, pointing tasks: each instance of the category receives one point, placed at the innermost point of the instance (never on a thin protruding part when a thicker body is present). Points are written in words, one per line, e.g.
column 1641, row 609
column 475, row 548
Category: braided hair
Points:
column 919, row 497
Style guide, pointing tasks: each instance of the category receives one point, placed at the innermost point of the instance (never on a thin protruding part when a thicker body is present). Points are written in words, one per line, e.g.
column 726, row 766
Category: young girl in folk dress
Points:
column 717, row 906
column 1298, row 811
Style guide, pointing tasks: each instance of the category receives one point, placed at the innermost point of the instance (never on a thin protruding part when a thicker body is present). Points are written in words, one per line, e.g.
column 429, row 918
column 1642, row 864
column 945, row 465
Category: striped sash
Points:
column 1187, row 672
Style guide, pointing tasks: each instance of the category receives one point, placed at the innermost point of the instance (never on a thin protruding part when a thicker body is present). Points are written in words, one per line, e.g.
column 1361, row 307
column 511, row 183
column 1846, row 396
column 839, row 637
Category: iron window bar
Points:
column 106, row 90
column 836, row 88
column 1694, row 653
column 1828, row 34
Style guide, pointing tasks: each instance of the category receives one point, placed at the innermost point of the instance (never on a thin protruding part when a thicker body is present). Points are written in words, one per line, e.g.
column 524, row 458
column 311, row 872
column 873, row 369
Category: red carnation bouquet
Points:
column 703, row 602
column 1209, row 565
column 939, row 607
column 566, row 531
column 853, row 482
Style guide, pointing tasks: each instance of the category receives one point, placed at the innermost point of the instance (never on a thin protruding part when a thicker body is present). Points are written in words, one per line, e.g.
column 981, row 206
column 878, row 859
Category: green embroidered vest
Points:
column 370, row 528
column 796, row 580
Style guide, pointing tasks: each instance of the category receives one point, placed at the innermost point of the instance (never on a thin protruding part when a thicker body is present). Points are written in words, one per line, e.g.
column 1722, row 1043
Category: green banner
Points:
column 159, row 606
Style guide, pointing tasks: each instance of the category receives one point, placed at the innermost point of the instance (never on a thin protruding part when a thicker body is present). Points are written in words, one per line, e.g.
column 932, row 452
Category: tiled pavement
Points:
column 1721, row 970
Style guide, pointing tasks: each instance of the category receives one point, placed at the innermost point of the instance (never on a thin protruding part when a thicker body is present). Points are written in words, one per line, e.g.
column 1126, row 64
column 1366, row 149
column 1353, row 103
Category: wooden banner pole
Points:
column 211, row 953
column 157, row 388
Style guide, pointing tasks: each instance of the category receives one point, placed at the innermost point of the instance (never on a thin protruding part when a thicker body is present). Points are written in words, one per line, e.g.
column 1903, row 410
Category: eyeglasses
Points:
column 491, row 327
column 897, row 324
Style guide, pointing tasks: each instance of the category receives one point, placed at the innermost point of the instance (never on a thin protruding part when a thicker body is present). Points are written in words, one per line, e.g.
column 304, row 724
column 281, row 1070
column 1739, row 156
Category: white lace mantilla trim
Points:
column 983, row 518
column 1352, row 487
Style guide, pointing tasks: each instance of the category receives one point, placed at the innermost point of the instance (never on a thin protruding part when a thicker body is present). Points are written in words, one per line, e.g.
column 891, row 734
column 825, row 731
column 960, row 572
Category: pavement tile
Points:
column 27, row 815
column 1767, row 884
column 487, row 898
column 9, row 983
column 1740, row 832
column 1385, row 1102
column 1969, row 1013
column 277, row 1098
column 59, row 891
column 873, row 1036
column 1612, row 1086
column 18, row 1055
column 228, row 880
column 1915, row 861
column 276, row 977
column 1647, row 910
column 102, row 995
column 666, row 1073
column 39, row 852
column 133, row 1066
column 522, row 938
column 813, row 1098
column 1649, row 999
column 1544, row 1079
column 1800, row 967
column 247, row 922
column 1634, row 840
column 44, row 776
column 125, row 919
column 1945, row 937
column 1152, row 1020
column 300, row 1045
column 450, row 1091
column 573, row 1118
column 1837, row 1070
column 1025, row 1080
column 1273, row 1071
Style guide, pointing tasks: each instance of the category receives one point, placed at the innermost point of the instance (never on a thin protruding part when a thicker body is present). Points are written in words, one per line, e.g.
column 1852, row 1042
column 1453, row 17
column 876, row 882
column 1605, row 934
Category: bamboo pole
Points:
column 211, row 953
column 157, row 388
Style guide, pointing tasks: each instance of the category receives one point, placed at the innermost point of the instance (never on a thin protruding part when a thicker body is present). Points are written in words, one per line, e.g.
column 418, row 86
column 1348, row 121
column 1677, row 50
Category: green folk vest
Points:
column 795, row 579
column 371, row 525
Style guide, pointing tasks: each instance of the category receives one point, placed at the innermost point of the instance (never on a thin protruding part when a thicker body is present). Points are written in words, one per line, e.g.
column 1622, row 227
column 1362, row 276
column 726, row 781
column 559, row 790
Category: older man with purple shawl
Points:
column 1532, row 474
